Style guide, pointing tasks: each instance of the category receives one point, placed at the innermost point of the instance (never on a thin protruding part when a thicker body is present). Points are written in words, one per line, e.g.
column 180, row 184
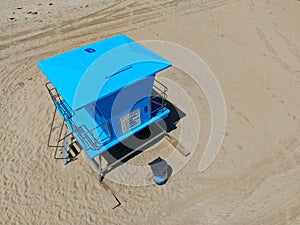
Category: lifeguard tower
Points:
column 104, row 92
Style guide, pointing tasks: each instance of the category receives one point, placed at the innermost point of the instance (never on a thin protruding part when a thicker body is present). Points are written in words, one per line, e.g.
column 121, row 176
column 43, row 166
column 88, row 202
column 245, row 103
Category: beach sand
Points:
column 253, row 48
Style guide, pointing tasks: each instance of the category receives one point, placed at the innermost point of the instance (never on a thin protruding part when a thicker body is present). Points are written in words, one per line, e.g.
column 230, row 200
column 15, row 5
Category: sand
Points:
column 253, row 48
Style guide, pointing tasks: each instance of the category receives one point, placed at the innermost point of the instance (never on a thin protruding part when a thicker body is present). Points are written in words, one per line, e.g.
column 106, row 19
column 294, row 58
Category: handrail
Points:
column 88, row 138
column 160, row 92
column 86, row 135
column 58, row 101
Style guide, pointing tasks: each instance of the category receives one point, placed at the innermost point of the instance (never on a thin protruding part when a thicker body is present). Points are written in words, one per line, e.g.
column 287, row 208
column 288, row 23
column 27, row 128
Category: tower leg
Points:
column 101, row 177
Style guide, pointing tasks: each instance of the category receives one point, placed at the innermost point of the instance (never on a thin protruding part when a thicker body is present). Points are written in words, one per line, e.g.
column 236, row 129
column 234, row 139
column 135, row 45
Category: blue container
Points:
column 159, row 169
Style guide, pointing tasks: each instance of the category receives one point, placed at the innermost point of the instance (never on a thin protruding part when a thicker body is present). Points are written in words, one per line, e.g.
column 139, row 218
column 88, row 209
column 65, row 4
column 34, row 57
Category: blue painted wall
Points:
column 124, row 101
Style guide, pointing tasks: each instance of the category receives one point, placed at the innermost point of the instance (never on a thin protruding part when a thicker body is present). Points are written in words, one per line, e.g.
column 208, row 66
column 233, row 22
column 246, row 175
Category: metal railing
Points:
column 89, row 139
column 158, row 98
column 59, row 103
column 85, row 135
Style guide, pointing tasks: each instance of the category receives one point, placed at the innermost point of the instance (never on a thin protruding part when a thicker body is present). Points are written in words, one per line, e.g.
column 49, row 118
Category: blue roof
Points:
column 91, row 72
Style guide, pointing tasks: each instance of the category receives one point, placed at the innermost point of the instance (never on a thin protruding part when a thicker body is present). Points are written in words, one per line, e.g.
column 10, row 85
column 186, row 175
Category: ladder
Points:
column 67, row 144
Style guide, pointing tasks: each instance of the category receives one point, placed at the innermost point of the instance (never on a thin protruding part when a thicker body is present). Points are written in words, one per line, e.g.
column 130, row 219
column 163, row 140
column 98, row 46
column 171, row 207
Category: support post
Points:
column 100, row 170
